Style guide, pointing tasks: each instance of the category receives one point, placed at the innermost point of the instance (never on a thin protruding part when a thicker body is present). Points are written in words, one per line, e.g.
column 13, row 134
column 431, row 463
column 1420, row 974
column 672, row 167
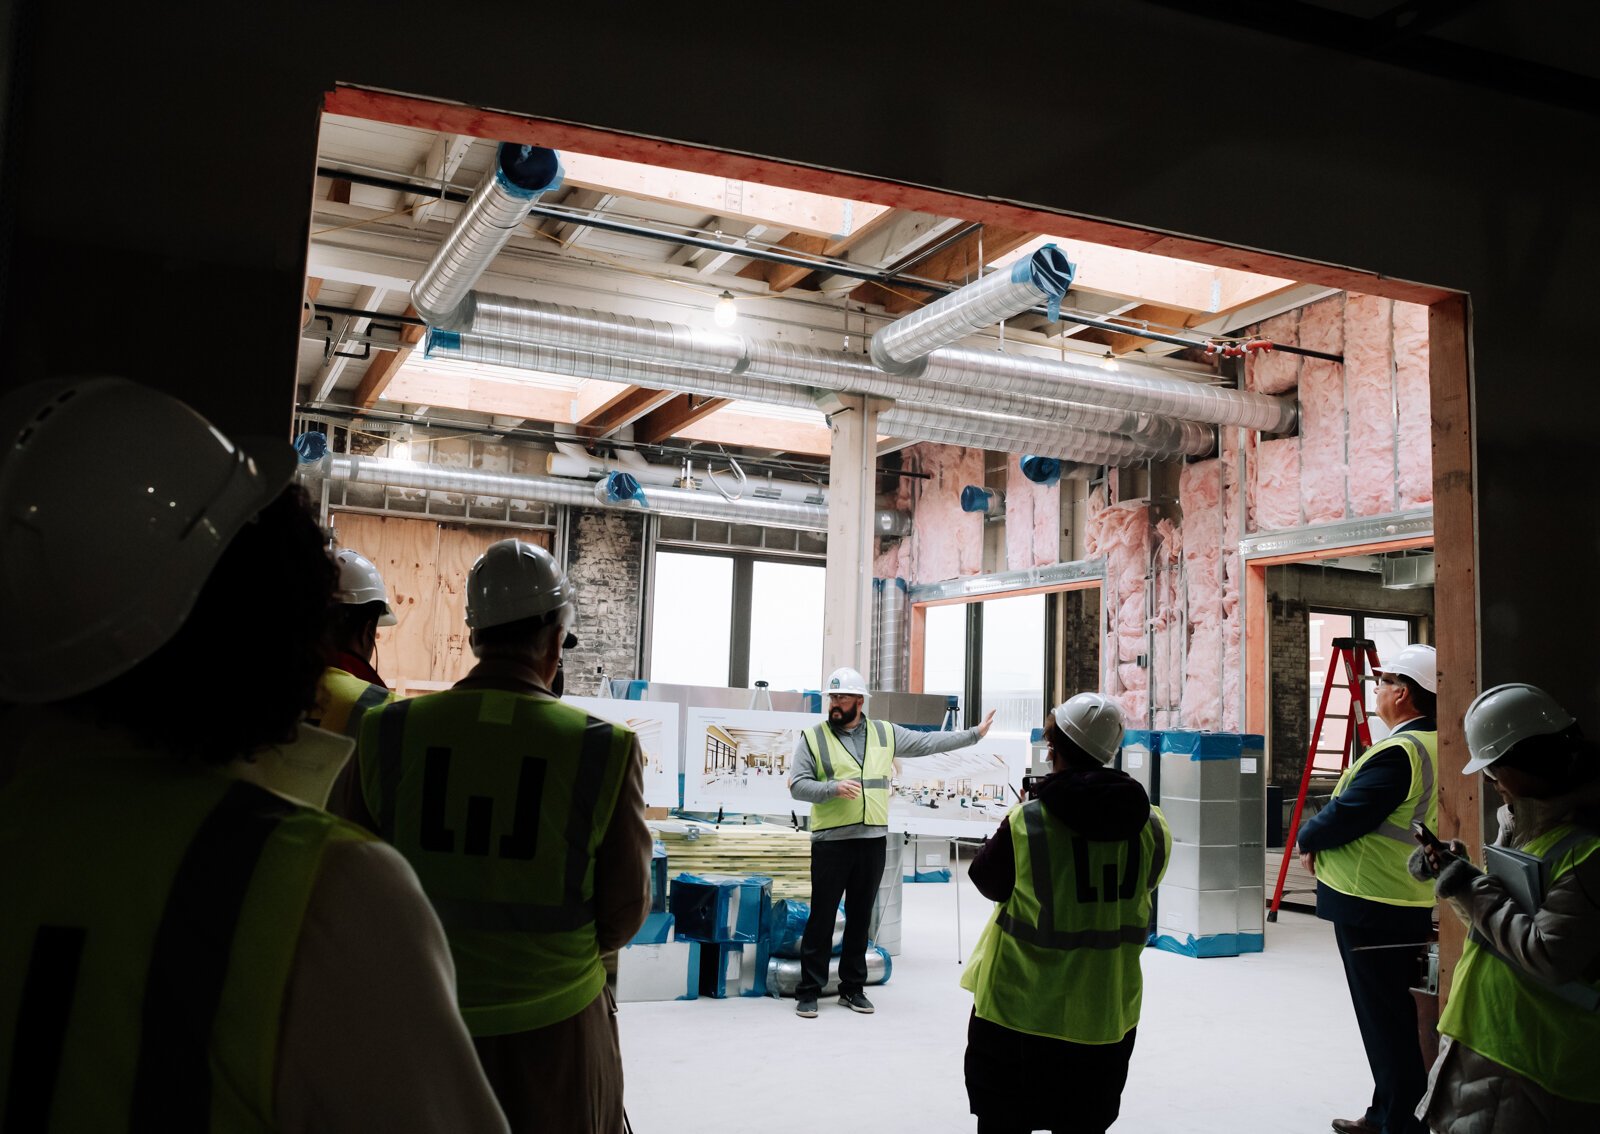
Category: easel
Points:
column 1345, row 650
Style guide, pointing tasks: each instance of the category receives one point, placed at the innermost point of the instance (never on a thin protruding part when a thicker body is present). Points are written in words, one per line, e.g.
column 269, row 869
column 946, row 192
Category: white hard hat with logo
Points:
column 846, row 680
column 513, row 580
column 360, row 583
column 1093, row 722
column 1419, row 663
column 116, row 502
column 1501, row 718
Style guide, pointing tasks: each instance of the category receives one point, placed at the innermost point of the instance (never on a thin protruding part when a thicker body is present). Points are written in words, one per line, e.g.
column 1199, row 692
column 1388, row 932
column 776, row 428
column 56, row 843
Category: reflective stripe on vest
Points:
column 1374, row 866
column 1076, row 923
column 499, row 801
column 834, row 762
column 128, row 1014
column 1503, row 1013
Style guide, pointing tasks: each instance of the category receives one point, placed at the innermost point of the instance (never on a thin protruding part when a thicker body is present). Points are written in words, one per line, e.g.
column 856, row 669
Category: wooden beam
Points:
column 1167, row 318
column 624, row 409
column 729, row 426
column 385, row 363
column 791, row 210
column 444, row 158
column 781, row 277
column 958, row 263
column 680, row 412
column 1455, row 594
column 313, row 287
column 480, row 394
column 430, row 114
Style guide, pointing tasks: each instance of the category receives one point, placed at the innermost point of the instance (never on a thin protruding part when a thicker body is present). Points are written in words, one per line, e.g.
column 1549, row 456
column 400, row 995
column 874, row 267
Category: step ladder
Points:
column 1359, row 657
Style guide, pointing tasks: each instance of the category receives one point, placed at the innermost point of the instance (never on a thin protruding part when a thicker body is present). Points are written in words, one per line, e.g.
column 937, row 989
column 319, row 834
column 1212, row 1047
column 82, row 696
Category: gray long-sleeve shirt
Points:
column 804, row 785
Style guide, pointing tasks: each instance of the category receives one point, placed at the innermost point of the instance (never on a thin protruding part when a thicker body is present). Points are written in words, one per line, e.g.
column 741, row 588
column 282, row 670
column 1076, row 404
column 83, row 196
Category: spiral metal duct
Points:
column 693, row 503
column 1043, row 277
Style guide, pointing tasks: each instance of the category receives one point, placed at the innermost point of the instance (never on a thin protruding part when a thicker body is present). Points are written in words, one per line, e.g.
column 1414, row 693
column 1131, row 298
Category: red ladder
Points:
column 1356, row 732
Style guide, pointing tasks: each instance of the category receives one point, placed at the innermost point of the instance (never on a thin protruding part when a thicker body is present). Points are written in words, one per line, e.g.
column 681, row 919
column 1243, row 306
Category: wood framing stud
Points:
column 959, row 263
column 683, row 410
column 385, row 363
column 624, row 409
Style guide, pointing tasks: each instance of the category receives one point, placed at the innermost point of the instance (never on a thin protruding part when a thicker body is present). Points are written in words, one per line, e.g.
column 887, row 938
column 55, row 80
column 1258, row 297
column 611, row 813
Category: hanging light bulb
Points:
column 726, row 311
column 1109, row 362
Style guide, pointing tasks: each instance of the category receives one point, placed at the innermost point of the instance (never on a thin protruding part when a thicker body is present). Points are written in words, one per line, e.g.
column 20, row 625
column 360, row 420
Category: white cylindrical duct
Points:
column 496, row 209
column 695, row 504
column 891, row 635
column 783, row 973
column 994, row 431
column 573, row 462
column 1043, row 277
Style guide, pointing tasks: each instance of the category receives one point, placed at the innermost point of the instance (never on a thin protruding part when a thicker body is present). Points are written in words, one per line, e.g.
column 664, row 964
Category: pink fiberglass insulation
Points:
column 1277, row 485
column 1322, row 441
column 1232, row 642
column 889, row 562
column 1233, row 499
column 1033, row 513
column 1416, row 415
column 1275, row 372
column 1200, row 496
column 1168, row 624
column 1046, row 524
column 1369, row 402
column 1121, row 533
column 946, row 542
column 1202, row 686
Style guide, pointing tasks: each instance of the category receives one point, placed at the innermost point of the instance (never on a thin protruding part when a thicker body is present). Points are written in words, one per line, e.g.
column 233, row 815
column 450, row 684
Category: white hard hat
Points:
column 514, row 580
column 1419, row 663
column 1500, row 718
column 360, row 583
column 846, row 680
column 116, row 501
column 1093, row 722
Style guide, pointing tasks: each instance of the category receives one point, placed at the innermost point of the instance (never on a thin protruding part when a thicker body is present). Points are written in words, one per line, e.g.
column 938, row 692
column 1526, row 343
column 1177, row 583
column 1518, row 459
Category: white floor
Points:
column 1262, row 1044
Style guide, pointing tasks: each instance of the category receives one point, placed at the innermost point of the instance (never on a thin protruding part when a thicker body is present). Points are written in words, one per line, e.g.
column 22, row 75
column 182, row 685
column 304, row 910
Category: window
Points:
column 944, row 650
column 1013, row 663
column 1389, row 633
column 730, row 620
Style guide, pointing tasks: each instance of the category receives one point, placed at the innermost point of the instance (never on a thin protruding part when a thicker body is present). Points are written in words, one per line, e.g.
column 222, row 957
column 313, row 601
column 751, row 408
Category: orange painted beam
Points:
column 458, row 118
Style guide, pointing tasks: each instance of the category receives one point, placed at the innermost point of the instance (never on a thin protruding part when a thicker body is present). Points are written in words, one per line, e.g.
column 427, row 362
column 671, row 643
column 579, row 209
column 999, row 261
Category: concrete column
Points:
column 852, row 507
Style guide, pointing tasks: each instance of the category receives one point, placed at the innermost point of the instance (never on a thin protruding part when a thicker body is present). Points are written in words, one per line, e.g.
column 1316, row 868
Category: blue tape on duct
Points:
column 658, row 876
column 786, row 925
column 1203, row 745
column 1048, row 270
column 636, row 690
column 1144, row 738
column 813, row 699
column 691, row 976
column 1254, row 742
column 527, row 171
column 621, row 486
column 656, row 930
column 975, row 499
column 721, row 907
column 311, row 447
column 888, row 963
column 440, row 340
column 1036, row 736
column 920, row 727
column 1251, row 943
column 1214, row 945
column 1040, row 470
column 942, row 874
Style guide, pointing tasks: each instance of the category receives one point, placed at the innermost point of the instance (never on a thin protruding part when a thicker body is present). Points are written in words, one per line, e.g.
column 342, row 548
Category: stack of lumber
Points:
column 780, row 852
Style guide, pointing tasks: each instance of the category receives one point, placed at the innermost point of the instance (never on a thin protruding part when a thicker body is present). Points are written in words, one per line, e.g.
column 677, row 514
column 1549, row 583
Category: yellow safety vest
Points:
column 499, row 801
column 834, row 762
column 1501, row 1012
column 342, row 700
column 1374, row 866
column 1060, row 956
column 152, row 910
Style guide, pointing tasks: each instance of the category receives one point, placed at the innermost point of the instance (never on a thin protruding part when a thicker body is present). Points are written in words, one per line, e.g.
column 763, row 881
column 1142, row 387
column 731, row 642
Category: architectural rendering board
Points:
column 964, row 792
column 738, row 760
column 656, row 723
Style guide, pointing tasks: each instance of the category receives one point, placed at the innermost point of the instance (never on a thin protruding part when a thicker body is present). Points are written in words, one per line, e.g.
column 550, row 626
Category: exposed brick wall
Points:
column 603, row 562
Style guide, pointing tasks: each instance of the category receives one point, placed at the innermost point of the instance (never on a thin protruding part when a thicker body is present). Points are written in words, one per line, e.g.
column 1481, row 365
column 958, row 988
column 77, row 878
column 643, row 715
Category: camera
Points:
column 1029, row 786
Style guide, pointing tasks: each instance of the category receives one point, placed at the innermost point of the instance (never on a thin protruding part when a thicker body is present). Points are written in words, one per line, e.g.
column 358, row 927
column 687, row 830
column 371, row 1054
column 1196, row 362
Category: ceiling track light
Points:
column 726, row 310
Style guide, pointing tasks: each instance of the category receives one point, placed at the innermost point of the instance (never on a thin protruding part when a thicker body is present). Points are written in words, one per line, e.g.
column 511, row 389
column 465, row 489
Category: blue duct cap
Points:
column 1041, row 470
column 975, row 499
column 436, row 339
column 311, row 447
column 1048, row 270
column 621, row 487
column 527, row 171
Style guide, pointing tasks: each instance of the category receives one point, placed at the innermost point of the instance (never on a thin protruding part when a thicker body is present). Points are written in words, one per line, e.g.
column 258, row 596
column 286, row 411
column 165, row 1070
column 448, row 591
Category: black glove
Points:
column 1456, row 878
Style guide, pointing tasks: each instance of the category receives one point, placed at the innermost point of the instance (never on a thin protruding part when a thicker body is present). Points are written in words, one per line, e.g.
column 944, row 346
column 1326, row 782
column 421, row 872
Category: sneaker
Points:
column 856, row 1002
column 806, row 1006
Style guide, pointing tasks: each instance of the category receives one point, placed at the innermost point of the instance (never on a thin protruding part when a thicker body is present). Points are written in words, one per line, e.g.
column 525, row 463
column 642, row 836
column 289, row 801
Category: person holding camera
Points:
column 1522, row 1024
column 1055, row 977
column 1358, row 846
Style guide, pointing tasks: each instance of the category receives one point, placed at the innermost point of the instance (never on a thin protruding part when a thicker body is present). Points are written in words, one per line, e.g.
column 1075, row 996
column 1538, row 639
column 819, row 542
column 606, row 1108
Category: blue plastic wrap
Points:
column 721, row 907
column 786, row 924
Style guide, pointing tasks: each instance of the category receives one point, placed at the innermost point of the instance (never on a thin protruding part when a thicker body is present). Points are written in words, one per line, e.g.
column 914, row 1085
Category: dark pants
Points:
column 1380, row 990
column 1019, row 1082
column 851, row 869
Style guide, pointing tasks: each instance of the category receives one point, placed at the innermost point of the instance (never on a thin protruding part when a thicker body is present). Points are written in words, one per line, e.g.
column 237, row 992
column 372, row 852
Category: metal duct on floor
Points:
column 1043, row 277
column 696, row 504
column 783, row 973
column 494, row 212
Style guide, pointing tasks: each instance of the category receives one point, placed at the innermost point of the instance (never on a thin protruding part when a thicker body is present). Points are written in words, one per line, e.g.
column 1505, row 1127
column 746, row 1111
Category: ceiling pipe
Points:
column 496, row 209
column 697, row 504
column 975, row 428
column 1043, row 277
column 573, row 461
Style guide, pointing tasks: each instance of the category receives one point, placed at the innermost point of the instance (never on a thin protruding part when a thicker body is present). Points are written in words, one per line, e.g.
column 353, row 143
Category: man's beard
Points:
column 841, row 716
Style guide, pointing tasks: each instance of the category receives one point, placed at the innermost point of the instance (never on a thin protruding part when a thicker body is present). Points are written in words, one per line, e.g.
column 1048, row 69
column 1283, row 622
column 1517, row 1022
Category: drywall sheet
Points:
column 738, row 760
column 946, row 542
column 1272, row 372
column 656, row 724
column 1416, row 416
column 964, row 792
column 1322, row 419
column 1372, row 425
column 1277, row 485
column 1121, row 533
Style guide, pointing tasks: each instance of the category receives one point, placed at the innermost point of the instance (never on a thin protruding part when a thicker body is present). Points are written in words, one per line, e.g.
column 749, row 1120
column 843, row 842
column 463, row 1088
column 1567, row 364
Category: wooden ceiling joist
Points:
column 782, row 277
column 385, row 363
column 679, row 413
column 958, row 263
column 624, row 409
column 1166, row 319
